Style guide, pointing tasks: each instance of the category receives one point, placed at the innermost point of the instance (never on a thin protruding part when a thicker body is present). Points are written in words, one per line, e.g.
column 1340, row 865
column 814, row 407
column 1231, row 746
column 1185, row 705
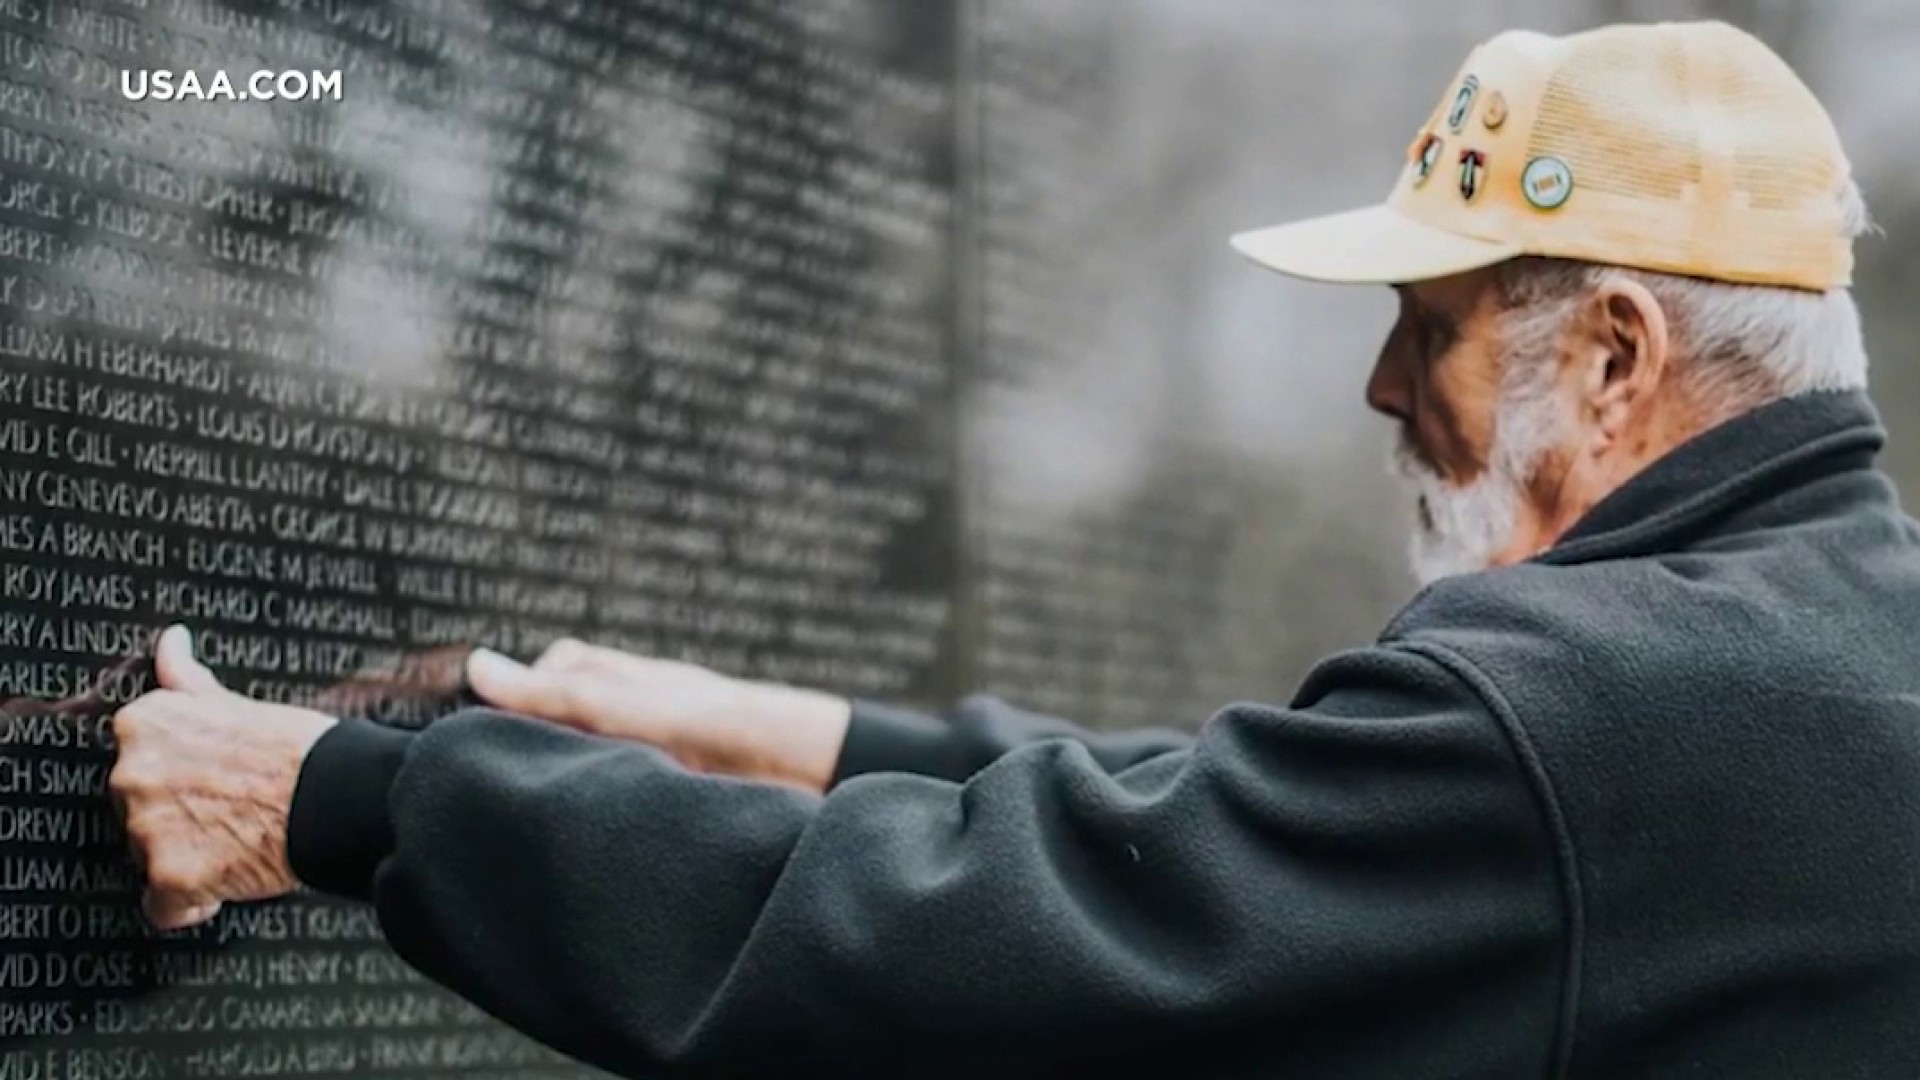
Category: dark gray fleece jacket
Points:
column 1647, row 805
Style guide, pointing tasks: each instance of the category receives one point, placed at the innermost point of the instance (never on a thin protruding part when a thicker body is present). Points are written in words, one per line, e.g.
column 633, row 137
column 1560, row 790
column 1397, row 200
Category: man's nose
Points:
column 1387, row 392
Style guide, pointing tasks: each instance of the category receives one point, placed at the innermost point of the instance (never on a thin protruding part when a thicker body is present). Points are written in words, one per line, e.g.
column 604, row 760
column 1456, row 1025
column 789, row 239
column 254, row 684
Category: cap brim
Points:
column 1375, row 245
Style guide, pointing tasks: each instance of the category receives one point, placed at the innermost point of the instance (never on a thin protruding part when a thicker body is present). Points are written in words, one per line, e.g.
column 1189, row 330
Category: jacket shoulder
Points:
column 1515, row 607
column 1545, row 640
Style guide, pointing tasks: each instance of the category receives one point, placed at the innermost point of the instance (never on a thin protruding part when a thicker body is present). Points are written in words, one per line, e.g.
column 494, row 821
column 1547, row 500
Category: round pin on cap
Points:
column 1494, row 113
column 1546, row 182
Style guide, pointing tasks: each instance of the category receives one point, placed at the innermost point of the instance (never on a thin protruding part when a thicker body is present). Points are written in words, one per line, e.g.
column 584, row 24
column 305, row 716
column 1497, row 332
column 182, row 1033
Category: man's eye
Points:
column 1412, row 336
column 1422, row 335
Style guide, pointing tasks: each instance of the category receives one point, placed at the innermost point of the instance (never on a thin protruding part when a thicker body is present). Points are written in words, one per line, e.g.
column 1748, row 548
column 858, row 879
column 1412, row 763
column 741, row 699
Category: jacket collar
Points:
column 1727, row 473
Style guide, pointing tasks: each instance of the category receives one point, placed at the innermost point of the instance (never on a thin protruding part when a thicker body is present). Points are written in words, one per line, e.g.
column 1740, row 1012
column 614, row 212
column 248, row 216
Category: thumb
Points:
column 169, row 912
column 175, row 666
column 514, row 686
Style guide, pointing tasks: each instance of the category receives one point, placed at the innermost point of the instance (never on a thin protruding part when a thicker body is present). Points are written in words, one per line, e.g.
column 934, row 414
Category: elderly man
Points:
column 1631, row 788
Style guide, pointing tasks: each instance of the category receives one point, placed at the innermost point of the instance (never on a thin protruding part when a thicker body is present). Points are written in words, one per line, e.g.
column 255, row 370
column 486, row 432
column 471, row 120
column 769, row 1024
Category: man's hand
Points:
column 205, row 780
column 707, row 721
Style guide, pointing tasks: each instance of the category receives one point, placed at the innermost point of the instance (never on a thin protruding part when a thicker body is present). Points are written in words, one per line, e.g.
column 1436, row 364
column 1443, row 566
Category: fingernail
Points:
column 180, row 636
column 488, row 664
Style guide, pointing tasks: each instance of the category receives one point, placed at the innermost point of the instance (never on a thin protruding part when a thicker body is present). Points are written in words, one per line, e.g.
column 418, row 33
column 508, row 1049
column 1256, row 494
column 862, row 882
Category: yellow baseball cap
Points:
column 1689, row 148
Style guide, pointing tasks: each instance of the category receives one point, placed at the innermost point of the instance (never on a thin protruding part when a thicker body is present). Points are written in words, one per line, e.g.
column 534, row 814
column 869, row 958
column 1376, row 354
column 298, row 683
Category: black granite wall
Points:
column 625, row 320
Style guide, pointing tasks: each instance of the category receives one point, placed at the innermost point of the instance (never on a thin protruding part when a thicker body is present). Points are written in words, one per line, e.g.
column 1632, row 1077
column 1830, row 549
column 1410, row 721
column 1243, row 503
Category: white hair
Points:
column 1738, row 346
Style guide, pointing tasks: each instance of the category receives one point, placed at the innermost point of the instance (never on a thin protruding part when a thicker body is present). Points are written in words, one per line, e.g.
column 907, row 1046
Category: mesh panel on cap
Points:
column 1777, row 181
column 1594, row 115
column 1771, row 163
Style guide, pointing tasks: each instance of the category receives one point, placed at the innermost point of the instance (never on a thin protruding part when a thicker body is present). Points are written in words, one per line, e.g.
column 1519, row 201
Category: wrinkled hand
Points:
column 707, row 721
column 205, row 780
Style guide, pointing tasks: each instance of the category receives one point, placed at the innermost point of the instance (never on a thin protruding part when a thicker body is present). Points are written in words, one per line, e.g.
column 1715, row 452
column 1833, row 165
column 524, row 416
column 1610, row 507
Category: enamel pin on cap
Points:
column 1472, row 163
column 1547, row 182
column 1495, row 111
column 1463, row 103
column 1427, row 158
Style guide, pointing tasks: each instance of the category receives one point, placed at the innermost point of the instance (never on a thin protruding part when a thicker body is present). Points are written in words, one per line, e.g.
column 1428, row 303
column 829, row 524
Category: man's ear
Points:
column 1621, row 353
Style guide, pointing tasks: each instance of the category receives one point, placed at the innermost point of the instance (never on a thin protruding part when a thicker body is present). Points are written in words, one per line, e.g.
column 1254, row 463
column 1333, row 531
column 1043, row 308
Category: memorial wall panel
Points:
column 622, row 320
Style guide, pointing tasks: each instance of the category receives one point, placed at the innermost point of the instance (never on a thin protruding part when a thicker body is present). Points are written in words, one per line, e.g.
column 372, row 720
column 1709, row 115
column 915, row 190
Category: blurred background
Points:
column 1185, row 430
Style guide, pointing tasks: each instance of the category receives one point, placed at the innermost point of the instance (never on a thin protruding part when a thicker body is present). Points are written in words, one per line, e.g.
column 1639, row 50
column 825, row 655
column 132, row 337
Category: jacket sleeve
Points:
column 974, row 734
column 1359, row 885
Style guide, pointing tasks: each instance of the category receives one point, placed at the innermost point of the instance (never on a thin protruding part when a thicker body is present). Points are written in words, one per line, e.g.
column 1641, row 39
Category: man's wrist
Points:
column 304, row 729
column 804, row 731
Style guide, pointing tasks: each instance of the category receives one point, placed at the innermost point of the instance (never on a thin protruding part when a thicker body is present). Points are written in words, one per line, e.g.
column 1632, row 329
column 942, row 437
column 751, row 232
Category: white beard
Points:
column 1457, row 530
column 1462, row 530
